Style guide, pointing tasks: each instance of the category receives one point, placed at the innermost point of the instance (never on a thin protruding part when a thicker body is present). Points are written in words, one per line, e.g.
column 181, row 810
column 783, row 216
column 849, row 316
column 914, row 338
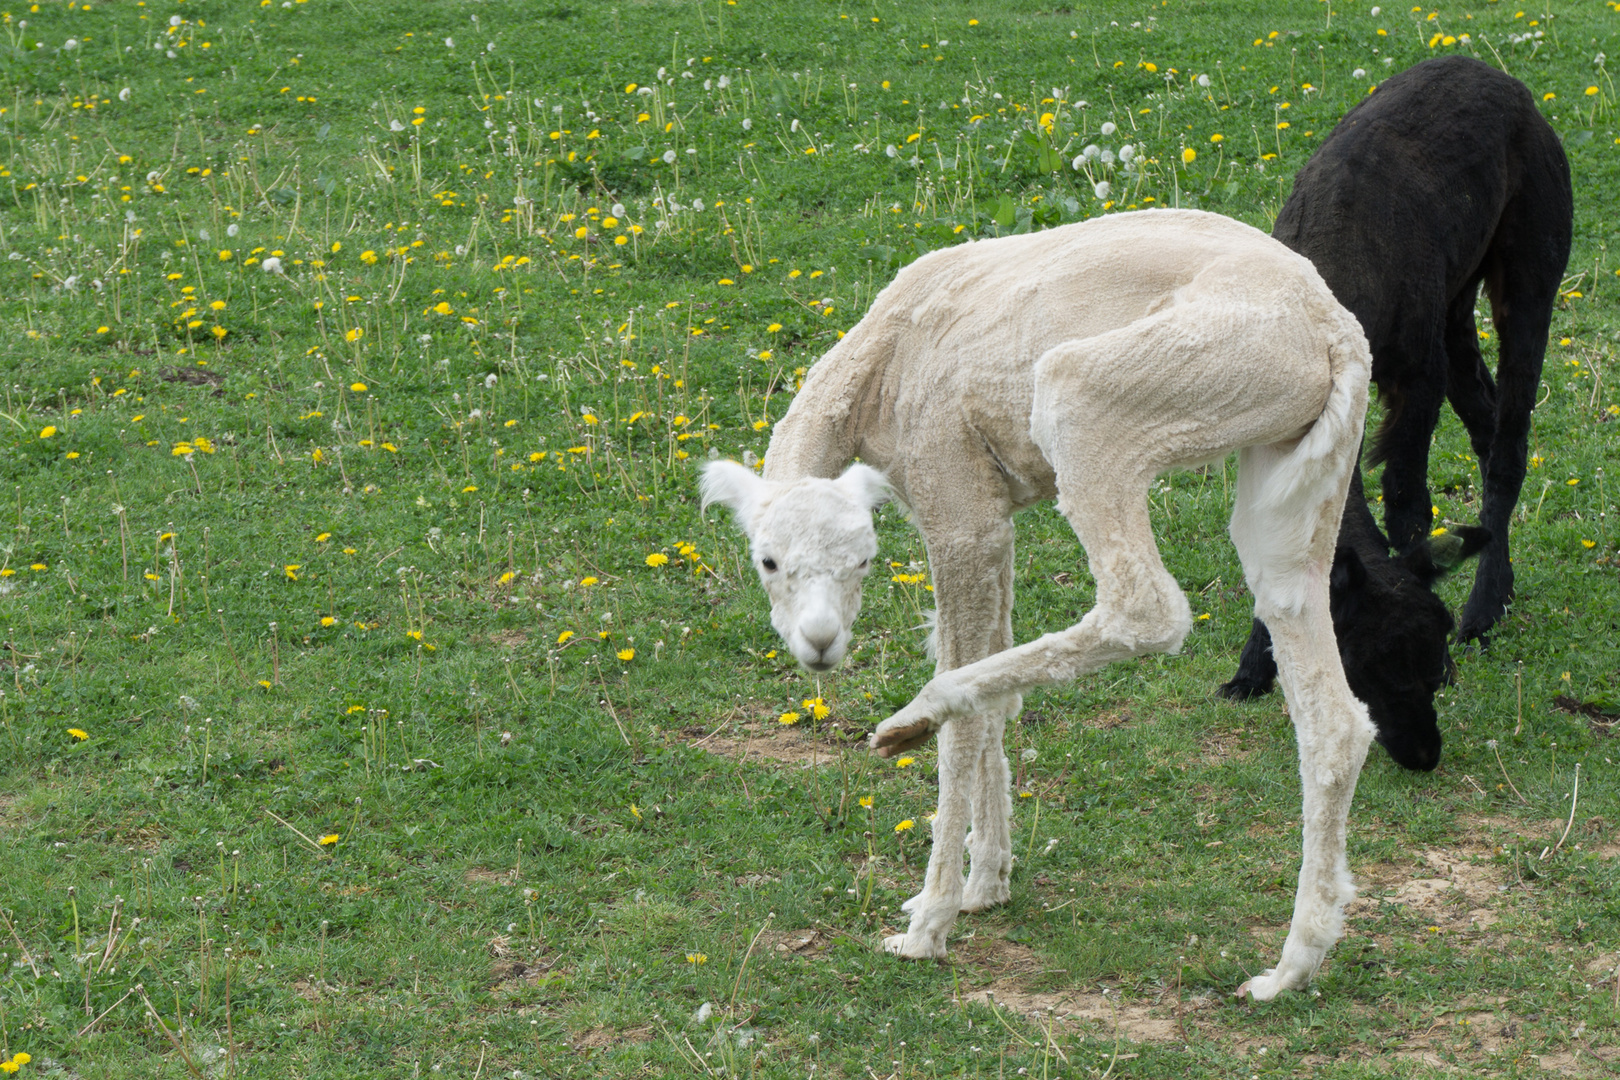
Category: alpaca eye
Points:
column 769, row 565
column 864, row 564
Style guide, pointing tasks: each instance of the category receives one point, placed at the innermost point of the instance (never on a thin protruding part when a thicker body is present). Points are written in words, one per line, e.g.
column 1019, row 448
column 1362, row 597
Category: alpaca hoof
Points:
column 1263, row 987
column 1242, row 689
column 1477, row 623
column 980, row 899
column 900, row 733
column 920, row 949
column 1476, row 633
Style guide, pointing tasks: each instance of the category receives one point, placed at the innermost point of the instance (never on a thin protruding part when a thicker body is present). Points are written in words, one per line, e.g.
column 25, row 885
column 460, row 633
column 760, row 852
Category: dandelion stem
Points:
column 743, row 968
column 1574, row 800
column 179, row 1047
column 1505, row 775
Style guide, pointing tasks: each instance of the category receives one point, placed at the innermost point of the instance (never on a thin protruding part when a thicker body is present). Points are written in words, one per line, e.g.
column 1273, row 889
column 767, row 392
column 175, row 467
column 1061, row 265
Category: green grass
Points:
column 385, row 596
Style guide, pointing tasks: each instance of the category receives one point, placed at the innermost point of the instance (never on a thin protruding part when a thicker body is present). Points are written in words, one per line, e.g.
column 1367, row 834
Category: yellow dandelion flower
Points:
column 330, row 838
column 358, row 387
column 626, row 655
column 587, row 582
column 905, row 826
column 48, row 431
column 1188, row 156
column 905, row 763
column 866, row 801
column 788, row 718
column 562, row 638
column 657, row 558
column 327, row 620
column 78, row 733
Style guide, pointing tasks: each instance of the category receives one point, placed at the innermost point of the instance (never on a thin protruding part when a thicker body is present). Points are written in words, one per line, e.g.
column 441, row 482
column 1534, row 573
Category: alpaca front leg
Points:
column 990, row 843
column 942, row 699
column 933, row 911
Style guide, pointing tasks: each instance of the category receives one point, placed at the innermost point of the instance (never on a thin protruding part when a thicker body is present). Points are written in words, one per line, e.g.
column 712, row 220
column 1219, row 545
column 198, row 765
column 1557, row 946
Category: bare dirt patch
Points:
column 793, row 944
column 1450, row 888
column 1013, row 967
column 194, row 377
column 783, row 744
column 1095, row 1014
column 477, row 875
column 600, row 1038
column 1220, row 747
column 514, row 968
column 508, row 639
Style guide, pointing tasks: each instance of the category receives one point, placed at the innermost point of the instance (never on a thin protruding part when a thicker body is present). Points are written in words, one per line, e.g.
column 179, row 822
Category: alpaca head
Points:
column 1392, row 634
column 813, row 543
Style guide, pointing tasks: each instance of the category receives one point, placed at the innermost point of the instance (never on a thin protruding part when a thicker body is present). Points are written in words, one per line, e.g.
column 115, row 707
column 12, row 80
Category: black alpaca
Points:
column 1444, row 179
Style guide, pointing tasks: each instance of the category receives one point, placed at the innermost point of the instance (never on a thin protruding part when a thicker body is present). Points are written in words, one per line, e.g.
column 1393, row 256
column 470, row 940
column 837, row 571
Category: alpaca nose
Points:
column 821, row 639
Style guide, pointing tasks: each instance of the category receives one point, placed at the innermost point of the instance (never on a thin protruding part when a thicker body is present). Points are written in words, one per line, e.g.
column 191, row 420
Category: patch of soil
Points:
column 1219, row 747
column 996, row 957
column 513, row 969
column 477, row 875
column 599, row 1038
column 1604, row 721
column 193, row 376
column 508, row 639
column 793, row 745
column 793, row 944
column 1012, row 967
column 1095, row 1014
column 1457, row 888
column 1109, row 719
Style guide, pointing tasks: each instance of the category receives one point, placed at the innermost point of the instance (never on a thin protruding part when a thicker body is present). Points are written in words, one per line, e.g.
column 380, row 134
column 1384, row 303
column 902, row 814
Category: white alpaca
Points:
column 1077, row 363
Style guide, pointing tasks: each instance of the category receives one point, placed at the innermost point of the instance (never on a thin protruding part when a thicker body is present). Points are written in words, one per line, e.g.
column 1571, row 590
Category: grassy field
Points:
column 376, row 702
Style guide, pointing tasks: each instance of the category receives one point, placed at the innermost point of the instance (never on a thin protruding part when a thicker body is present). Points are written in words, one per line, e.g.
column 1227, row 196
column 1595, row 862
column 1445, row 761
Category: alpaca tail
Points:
column 1312, row 470
column 1280, row 523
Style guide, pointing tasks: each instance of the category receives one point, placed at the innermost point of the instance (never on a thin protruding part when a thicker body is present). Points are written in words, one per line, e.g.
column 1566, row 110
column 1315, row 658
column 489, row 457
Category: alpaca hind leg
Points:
column 1331, row 726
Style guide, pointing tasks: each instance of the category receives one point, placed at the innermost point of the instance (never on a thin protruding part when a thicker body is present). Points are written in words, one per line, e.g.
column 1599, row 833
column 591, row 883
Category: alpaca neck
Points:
column 830, row 420
column 808, row 443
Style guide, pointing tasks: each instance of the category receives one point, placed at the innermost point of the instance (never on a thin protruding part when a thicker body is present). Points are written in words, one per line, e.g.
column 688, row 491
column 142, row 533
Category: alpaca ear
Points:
column 734, row 486
column 1439, row 555
column 866, row 486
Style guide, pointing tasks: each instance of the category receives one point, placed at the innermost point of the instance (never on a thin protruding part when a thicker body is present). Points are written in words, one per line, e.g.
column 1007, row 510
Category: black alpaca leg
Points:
column 1257, row 667
column 1524, row 266
column 1403, row 444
